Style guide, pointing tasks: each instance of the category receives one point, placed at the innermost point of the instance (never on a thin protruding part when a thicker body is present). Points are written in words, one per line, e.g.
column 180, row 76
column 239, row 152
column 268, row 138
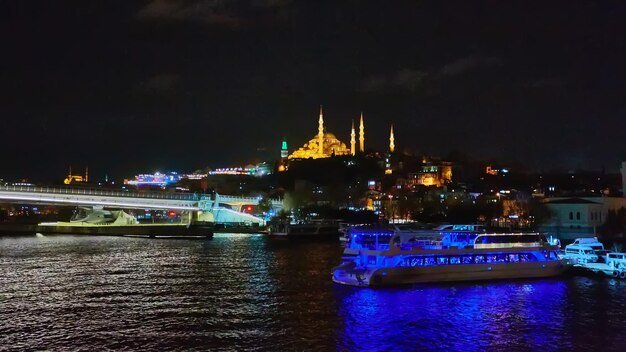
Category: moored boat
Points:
column 585, row 250
column 313, row 230
column 376, row 257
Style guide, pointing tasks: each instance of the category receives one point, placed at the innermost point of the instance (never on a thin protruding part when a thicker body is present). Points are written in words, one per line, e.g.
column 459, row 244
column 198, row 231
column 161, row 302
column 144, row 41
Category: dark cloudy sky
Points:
column 133, row 86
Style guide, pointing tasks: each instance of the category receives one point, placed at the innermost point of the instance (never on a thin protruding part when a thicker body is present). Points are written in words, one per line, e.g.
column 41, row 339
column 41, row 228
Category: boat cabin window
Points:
column 371, row 240
column 476, row 228
column 455, row 237
column 526, row 257
column 430, row 260
column 529, row 238
column 551, row 255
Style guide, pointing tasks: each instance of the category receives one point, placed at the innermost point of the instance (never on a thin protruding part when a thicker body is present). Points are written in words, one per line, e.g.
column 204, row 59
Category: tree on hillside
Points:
column 265, row 205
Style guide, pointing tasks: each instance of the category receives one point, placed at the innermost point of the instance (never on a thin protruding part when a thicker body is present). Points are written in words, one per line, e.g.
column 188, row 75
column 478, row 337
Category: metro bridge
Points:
column 204, row 207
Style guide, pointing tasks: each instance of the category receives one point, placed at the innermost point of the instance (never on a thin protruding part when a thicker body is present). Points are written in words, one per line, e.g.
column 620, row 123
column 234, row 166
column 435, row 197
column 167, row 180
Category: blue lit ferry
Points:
column 378, row 257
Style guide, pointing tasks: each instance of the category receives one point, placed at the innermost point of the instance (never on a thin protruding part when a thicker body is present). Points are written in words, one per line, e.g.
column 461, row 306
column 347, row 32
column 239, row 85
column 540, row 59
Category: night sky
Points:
column 135, row 86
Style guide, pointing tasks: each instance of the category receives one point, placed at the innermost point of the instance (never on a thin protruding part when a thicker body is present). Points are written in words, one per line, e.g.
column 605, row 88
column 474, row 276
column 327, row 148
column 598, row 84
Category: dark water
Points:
column 244, row 292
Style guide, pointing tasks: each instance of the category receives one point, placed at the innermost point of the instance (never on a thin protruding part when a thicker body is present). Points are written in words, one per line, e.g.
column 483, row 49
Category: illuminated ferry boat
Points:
column 376, row 257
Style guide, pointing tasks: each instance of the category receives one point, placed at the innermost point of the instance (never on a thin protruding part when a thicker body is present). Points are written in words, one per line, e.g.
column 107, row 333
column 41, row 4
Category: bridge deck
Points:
column 96, row 196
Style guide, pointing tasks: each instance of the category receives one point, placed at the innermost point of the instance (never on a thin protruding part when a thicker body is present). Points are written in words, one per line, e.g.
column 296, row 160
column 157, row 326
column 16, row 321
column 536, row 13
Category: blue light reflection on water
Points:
column 247, row 293
column 522, row 315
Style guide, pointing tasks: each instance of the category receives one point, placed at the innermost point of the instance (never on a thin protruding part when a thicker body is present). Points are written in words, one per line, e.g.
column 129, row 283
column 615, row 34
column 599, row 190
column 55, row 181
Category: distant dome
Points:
column 330, row 146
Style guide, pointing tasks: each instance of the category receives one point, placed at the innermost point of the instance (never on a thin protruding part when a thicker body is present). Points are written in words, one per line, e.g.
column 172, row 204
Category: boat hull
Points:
column 449, row 273
column 199, row 230
column 308, row 232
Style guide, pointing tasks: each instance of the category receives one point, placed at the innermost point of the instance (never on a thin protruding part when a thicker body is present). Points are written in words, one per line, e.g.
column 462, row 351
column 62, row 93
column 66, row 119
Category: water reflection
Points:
column 243, row 292
column 524, row 315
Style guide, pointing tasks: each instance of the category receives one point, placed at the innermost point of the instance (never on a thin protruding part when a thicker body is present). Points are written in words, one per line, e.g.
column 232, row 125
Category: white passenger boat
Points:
column 376, row 257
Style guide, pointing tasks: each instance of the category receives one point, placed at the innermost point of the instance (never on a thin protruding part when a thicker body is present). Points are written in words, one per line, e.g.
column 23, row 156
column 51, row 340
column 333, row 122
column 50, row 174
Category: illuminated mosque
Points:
column 325, row 144
column 76, row 178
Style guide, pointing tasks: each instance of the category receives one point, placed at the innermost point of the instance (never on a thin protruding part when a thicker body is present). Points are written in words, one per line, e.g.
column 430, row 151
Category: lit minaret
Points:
column 284, row 151
column 320, row 133
column 352, row 140
column 391, row 140
column 362, row 135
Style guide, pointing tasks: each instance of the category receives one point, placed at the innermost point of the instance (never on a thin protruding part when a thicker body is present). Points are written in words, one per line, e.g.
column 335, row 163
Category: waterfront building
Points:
column 156, row 179
column 248, row 170
column 578, row 217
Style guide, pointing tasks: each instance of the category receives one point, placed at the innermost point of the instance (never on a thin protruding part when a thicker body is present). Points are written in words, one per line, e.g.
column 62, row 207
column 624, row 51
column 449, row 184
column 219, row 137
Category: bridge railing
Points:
column 127, row 194
column 105, row 192
column 246, row 199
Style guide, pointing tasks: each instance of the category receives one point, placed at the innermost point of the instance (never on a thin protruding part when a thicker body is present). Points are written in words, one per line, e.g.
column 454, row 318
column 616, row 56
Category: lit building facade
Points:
column 575, row 217
column 156, row 179
column 432, row 175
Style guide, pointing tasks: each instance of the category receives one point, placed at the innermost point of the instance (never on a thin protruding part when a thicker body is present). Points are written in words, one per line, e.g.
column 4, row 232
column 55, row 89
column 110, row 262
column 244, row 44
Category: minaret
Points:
column 320, row 134
column 284, row 151
column 361, row 135
column 352, row 140
column 284, row 155
column 392, row 146
column 87, row 174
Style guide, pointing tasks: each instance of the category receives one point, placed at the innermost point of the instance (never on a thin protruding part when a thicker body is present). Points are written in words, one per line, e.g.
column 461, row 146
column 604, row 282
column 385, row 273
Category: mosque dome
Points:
column 330, row 145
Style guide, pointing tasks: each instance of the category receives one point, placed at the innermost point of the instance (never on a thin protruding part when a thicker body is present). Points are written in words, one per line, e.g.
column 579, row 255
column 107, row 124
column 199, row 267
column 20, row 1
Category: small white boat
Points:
column 584, row 250
column 614, row 266
column 617, row 263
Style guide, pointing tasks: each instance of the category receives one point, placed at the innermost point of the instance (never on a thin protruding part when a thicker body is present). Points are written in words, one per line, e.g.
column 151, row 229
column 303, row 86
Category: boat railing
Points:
column 424, row 244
